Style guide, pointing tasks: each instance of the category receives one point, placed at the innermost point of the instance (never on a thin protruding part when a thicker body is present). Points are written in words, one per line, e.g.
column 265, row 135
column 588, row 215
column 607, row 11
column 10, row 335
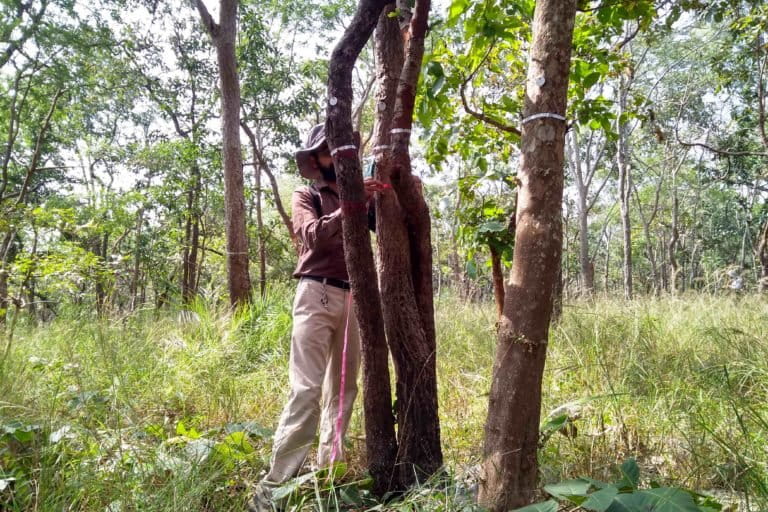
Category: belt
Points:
column 338, row 283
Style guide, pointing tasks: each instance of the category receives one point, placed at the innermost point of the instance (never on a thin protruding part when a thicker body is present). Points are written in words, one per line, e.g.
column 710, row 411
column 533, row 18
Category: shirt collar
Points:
column 320, row 184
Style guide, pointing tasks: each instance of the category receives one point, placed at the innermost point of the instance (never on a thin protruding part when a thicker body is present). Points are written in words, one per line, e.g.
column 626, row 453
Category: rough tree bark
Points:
column 510, row 467
column 223, row 36
column 381, row 445
column 497, row 274
column 405, row 251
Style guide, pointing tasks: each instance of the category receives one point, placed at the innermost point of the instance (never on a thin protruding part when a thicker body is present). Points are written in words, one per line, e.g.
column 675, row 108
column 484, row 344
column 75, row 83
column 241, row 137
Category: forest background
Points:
column 127, row 382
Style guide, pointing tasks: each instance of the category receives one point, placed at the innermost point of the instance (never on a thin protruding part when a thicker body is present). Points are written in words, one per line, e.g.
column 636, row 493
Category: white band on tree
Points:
column 543, row 115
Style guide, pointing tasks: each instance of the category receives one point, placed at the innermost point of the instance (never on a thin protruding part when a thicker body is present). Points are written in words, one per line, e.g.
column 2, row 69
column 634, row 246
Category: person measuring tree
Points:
column 325, row 342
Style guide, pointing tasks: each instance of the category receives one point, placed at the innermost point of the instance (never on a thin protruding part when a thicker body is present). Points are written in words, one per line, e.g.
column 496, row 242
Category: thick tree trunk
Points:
column 381, row 445
column 510, row 467
column 625, row 189
column 402, row 256
column 223, row 35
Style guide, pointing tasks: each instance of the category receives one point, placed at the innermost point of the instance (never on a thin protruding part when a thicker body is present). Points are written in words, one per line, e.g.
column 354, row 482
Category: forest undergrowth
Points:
column 174, row 410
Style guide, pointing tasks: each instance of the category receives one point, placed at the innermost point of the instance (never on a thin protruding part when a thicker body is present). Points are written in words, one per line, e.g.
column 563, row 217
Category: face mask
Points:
column 329, row 173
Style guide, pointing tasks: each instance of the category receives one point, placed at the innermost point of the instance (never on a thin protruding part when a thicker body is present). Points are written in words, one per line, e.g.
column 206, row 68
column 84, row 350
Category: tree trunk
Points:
column 405, row 251
column 191, row 238
column 497, row 274
column 510, row 467
column 258, row 166
column 101, row 292
column 625, row 188
column 586, row 268
column 223, row 35
column 673, row 239
column 762, row 256
column 381, row 445
column 134, row 288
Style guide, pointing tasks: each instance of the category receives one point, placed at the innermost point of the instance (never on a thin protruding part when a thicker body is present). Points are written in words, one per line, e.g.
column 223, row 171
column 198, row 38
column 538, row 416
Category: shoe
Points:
column 261, row 501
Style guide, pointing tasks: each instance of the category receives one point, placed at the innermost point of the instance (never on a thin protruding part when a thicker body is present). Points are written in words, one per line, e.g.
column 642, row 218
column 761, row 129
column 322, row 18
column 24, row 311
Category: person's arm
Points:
column 311, row 229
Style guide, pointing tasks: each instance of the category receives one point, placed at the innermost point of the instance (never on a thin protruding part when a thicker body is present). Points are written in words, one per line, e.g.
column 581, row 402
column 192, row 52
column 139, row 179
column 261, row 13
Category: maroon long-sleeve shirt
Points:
column 321, row 248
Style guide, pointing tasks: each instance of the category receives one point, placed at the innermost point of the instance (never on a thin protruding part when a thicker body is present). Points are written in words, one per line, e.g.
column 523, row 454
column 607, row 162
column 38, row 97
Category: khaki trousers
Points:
column 314, row 371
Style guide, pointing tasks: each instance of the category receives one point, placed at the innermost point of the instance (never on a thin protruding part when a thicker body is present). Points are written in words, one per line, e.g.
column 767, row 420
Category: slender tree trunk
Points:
column 257, row 168
column 762, row 256
column 586, row 268
column 497, row 274
column 3, row 295
column 625, row 188
column 223, row 35
column 510, row 467
column 101, row 291
column 136, row 259
column 381, row 444
column 674, row 238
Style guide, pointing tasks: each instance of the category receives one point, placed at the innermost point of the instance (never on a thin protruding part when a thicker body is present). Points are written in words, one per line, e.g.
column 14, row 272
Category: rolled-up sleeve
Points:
column 311, row 229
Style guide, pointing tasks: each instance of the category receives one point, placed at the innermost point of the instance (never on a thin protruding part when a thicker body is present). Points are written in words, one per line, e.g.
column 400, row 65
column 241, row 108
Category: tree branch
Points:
column 210, row 26
column 481, row 115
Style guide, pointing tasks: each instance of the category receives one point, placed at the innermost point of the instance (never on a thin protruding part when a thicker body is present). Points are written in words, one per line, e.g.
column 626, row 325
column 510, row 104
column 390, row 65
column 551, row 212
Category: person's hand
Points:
column 373, row 185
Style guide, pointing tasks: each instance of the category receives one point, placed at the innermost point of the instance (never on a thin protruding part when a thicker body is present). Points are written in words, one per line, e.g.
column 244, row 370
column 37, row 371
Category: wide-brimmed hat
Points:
column 315, row 142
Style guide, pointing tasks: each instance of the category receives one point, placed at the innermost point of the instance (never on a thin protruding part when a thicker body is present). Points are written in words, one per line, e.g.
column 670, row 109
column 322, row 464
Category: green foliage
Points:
column 624, row 495
column 161, row 411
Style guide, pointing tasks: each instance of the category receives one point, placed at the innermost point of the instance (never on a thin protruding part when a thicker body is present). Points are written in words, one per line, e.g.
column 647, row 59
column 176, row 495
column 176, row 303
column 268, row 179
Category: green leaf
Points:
column 572, row 490
column 491, row 226
column 252, row 428
column 238, row 441
column 554, row 424
column 591, row 79
column 599, row 501
column 291, row 486
column 630, row 473
column 663, row 499
column 546, row 506
column 457, row 8
column 182, row 430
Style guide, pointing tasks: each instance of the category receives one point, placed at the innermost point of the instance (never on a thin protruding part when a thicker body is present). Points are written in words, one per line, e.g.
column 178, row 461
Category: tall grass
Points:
column 170, row 411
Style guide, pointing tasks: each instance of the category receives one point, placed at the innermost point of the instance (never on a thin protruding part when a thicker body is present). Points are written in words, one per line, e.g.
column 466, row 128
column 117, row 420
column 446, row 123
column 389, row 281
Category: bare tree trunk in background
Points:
column 625, row 187
column 223, row 36
column 497, row 274
column 257, row 168
column 190, row 253
column 586, row 268
column 510, row 467
column 101, row 292
column 258, row 159
column 381, row 444
column 674, row 237
column 134, row 287
column 762, row 256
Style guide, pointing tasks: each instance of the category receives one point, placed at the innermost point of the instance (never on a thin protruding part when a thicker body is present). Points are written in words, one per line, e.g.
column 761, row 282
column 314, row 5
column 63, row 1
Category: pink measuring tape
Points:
column 337, row 438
